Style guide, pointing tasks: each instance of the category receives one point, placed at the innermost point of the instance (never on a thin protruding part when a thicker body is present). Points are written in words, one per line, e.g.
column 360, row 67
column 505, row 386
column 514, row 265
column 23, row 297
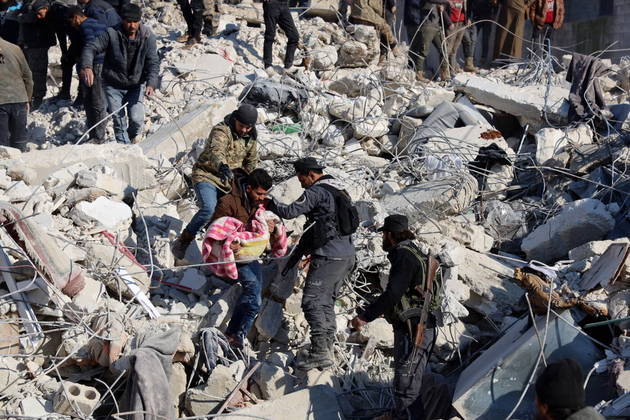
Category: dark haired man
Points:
column 560, row 393
column 332, row 257
column 130, row 71
column 93, row 96
column 230, row 145
column 402, row 303
column 247, row 194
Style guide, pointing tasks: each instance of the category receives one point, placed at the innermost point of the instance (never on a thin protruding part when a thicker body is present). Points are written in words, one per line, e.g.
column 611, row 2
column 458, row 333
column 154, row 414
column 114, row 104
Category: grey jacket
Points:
column 317, row 202
column 587, row 413
column 16, row 80
column 144, row 64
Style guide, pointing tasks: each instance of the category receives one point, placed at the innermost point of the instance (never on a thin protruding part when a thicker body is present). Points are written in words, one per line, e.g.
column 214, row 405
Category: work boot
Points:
column 181, row 245
column 469, row 65
column 192, row 41
column 306, row 62
column 454, row 64
column 318, row 355
column 183, row 38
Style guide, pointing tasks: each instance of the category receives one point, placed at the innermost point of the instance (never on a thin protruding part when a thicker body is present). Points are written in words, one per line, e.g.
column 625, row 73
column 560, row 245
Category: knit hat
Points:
column 246, row 114
column 561, row 385
column 395, row 223
column 304, row 165
column 131, row 13
column 40, row 4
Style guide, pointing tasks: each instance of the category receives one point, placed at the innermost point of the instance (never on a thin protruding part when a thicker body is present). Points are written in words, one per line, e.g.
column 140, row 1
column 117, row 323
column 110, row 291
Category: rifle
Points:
column 432, row 267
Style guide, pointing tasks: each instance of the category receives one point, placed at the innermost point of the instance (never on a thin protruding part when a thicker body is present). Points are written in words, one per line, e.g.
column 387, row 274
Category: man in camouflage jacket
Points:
column 230, row 145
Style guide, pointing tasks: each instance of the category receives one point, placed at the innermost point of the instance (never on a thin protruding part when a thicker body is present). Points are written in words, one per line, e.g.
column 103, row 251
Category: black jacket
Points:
column 144, row 65
column 34, row 33
column 406, row 272
column 417, row 10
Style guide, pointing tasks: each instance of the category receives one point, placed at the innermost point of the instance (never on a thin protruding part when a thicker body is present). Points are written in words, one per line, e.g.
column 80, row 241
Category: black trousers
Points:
column 13, row 125
column 94, row 103
column 193, row 15
column 276, row 13
column 37, row 59
column 408, row 372
column 68, row 61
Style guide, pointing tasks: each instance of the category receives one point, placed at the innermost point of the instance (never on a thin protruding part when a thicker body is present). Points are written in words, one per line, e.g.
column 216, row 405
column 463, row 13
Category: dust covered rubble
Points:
column 487, row 169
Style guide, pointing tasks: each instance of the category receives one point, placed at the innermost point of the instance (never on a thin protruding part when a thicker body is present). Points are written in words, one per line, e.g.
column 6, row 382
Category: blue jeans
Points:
column 134, row 111
column 249, row 302
column 207, row 196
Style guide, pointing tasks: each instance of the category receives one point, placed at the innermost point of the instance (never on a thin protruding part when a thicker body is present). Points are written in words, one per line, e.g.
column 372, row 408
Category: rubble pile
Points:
column 526, row 211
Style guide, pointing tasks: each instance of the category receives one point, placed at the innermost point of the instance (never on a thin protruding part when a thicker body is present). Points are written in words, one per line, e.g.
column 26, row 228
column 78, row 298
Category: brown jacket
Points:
column 234, row 204
column 16, row 80
column 538, row 11
column 225, row 146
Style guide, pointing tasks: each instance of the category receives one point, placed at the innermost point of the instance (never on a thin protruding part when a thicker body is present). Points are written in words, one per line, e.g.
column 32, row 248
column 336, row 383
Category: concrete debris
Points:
column 486, row 166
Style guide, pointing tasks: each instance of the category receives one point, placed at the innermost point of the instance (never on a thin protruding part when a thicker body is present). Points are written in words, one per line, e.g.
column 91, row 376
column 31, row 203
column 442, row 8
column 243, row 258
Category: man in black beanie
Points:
column 560, row 393
column 230, row 145
column 130, row 71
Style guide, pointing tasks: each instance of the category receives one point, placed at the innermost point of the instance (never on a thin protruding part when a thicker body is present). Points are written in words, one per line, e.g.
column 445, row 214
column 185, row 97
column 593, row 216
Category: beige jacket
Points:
column 16, row 80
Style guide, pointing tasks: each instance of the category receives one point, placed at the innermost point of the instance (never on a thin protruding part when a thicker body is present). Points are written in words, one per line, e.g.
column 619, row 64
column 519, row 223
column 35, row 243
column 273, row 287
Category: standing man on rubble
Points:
column 198, row 15
column 230, row 145
column 247, row 194
column 412, row 292
column 130, row 71
column 276, row 13
column 432, row 15
column 459, row 34
column 93, row 96
column 547, row 16
column 16, row 88
column 331, row 251
column 372, row 13
column 36, row 37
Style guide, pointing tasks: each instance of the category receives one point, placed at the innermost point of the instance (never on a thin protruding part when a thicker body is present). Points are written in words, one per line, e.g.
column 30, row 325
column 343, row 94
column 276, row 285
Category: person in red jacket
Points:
column 458, row 35
column 546, row 17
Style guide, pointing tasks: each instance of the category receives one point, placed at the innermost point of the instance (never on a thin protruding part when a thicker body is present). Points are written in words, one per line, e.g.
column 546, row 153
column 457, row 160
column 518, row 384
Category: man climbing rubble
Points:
column 248, row 192
column 130, row 71
column 413, row 278
column 372, row 13
column 230, row 145
column 332, row 254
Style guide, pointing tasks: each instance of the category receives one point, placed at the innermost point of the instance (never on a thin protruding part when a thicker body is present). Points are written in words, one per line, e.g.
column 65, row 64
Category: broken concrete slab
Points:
column 450, row 195
column 127, row 161
column 528, row 103
column 273, row 381
column 313, row 403
column 102, row 213
column 176, row 137
column 579, row 222
column 552, row 141
column 212, row 69
column 490, row 387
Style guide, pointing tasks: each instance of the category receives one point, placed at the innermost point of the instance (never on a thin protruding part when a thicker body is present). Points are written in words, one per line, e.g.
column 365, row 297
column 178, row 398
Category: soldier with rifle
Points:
column 412, row 293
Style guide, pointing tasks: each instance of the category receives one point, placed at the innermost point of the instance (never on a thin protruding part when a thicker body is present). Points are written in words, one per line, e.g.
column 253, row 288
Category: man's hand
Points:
column 149, row 91
column 450, row 27
column 271, row 225
column 357, row 323
column 225, row 173
column 87, row 75
column 393, row 9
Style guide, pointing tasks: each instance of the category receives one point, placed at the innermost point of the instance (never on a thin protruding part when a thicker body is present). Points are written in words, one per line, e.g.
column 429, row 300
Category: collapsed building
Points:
column 524, row 203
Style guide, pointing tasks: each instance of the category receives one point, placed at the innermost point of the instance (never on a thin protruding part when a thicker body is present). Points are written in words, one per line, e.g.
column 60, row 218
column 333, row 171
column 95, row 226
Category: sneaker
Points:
column 191, row 43
column 182, row 38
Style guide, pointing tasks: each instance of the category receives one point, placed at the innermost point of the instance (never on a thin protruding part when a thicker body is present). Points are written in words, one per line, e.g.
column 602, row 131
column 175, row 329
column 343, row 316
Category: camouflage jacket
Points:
column 367, row 10
column 225, row 146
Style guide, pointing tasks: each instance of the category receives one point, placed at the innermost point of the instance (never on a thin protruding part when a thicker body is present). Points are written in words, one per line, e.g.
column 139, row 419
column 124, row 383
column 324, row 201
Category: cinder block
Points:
column 77, row 400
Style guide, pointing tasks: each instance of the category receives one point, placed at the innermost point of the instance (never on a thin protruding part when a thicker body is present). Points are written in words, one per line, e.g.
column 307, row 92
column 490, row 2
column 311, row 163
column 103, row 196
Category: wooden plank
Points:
column 607, row 267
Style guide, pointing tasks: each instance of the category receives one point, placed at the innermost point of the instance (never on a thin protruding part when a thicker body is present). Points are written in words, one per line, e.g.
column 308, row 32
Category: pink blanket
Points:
column 253, row 237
